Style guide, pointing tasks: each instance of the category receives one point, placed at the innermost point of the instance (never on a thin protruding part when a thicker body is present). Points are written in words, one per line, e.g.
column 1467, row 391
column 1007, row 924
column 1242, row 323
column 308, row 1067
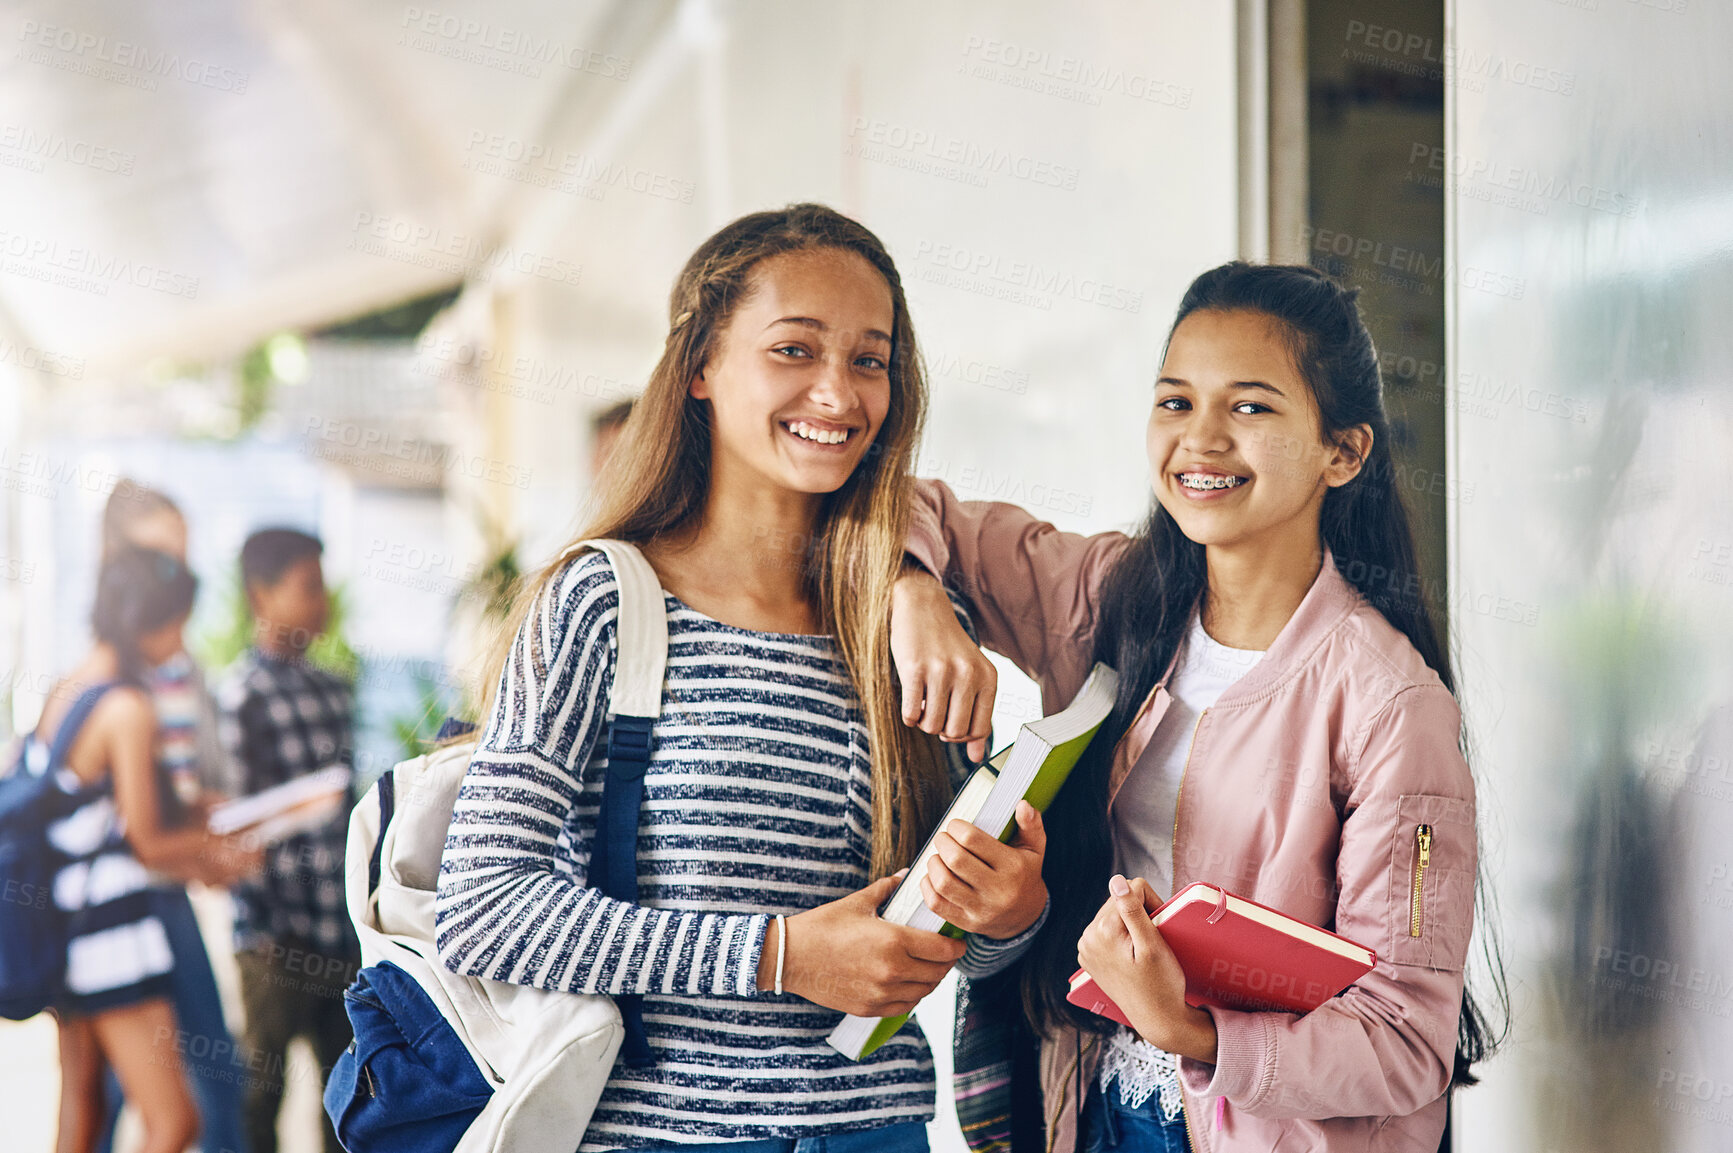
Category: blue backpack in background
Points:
column 33, row 930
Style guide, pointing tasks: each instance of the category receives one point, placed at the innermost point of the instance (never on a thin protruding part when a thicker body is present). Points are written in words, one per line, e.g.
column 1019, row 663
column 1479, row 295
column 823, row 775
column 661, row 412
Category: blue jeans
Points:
column 907, row 1137
column 199, row 1016
column 1110, row 1124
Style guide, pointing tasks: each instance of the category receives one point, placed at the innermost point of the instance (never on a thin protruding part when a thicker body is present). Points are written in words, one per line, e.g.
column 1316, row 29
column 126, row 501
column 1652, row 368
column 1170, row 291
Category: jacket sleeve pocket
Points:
column 1432, row 867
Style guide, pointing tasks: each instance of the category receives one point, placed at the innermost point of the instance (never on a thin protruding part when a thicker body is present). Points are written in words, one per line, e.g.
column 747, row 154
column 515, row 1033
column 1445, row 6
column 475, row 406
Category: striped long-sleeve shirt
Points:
column 757, row 801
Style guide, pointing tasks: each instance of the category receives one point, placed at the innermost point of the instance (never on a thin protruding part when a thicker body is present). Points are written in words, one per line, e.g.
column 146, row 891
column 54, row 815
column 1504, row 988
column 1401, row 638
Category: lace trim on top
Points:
column 1142, row 1070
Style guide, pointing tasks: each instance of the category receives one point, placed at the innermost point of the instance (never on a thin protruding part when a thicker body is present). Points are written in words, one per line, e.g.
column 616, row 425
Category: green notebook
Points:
column 1031, row 769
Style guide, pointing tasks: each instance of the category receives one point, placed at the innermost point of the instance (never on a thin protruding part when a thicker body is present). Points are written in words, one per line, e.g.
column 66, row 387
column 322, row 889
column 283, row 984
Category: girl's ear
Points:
column 698, row 388
column 1350, row 449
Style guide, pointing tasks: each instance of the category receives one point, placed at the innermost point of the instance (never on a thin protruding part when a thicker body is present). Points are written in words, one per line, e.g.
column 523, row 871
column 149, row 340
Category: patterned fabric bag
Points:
column 996, row 1075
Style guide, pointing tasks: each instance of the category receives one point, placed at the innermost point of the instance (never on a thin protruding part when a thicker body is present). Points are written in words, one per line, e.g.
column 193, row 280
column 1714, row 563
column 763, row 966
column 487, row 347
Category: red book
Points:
column 1238, row 954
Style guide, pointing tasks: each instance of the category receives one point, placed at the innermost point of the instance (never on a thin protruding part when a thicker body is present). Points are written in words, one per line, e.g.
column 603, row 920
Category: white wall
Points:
column 1039, row 391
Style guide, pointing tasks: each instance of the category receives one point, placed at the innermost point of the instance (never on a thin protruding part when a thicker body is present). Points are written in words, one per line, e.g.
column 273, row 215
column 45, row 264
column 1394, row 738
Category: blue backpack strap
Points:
column 73, row 721
column 640, row 664
column 452, row 727
column 387, row 790
column 449, row 729
column 622, row 798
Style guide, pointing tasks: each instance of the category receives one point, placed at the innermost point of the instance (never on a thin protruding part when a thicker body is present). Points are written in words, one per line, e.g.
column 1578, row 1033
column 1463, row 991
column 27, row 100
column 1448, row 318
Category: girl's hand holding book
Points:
column 843, row 956
column 982, row 885
column 948, row 682
column 1131, row 963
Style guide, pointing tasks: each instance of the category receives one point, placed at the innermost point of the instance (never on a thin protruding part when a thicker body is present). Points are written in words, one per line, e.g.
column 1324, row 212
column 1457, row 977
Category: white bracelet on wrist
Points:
column 781, row 949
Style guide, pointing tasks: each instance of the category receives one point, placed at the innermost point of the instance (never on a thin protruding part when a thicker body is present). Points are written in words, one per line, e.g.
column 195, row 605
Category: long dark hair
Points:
column 139, row 590
column 1148, row 597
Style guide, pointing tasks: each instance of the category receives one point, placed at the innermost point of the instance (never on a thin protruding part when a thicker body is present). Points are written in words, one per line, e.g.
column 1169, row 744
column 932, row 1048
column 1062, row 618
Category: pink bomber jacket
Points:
column 1310, row 787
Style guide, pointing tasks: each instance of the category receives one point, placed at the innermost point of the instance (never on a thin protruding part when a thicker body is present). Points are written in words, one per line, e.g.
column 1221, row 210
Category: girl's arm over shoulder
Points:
column 509, row 906
column 1387, row 1045
column 1033, row 588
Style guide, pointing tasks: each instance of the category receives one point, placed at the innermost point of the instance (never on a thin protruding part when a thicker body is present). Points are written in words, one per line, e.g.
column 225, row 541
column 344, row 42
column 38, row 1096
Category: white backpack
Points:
column 547, row 1055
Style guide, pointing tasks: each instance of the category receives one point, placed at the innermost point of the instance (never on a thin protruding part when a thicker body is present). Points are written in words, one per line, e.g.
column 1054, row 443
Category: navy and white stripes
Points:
column 118, row 951
column 757, row 801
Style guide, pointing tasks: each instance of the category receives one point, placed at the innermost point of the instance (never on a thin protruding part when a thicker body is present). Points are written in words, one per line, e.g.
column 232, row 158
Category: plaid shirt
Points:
column 280, row 720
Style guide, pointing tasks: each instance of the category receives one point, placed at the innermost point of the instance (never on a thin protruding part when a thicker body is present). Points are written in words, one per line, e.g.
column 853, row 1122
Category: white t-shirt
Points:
column 1143, row 816
column 1143, row 812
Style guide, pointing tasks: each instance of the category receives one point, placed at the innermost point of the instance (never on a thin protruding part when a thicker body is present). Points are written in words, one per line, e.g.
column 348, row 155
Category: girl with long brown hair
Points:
column 765, row 475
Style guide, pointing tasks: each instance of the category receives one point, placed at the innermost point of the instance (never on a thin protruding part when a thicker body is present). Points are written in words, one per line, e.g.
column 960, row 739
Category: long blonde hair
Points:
column 658, row 477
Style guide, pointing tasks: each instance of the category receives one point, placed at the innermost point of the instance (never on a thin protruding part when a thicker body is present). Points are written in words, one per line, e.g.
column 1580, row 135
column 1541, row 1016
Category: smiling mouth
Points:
column 1209, row 481
column 816, row 435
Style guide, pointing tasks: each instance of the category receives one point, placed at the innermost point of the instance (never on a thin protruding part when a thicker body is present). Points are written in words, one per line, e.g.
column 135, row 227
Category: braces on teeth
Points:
column 1192, row 480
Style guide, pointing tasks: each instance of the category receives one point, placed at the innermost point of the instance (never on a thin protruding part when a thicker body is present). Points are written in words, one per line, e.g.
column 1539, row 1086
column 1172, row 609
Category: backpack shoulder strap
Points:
column 642, row 632
column 386, row 788
column 640, row 666
column 73, row 721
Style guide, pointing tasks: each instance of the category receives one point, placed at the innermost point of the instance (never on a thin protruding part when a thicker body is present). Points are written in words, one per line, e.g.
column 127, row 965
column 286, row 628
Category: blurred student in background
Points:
column 188, row 740
column 197, row 772
column 122, row 832
column 282, row 718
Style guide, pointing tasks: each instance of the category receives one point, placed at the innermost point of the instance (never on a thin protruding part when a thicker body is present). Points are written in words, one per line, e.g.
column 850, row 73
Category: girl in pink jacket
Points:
column 1285, row 728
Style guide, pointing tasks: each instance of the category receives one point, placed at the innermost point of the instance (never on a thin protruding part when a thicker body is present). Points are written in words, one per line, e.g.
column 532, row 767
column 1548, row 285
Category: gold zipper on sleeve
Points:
column 1422, row 858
